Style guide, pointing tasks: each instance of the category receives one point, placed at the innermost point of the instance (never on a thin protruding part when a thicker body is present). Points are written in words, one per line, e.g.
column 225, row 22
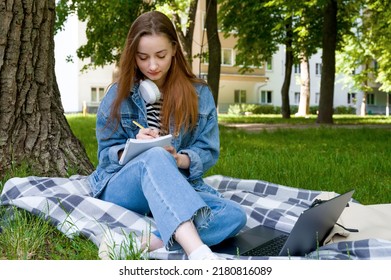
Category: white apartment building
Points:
column 77, row 88
column 263, row 86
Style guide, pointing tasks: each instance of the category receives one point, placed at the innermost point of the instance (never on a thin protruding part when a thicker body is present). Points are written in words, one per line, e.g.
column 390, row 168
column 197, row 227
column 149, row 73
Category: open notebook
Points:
column 134, row 147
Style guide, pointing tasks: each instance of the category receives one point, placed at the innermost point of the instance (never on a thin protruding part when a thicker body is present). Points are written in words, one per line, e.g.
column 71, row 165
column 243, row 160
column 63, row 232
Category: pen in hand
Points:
column 150, row 132
column 139, row 125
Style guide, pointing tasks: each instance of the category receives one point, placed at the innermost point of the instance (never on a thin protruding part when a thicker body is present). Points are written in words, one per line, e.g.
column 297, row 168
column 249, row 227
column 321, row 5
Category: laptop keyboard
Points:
column 270, row 248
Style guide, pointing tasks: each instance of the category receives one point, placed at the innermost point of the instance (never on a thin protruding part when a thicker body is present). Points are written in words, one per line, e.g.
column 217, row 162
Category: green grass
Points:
column 326, row 159
column 319, row 158
column 84, row 128
column 277, row 119
column 27, row 237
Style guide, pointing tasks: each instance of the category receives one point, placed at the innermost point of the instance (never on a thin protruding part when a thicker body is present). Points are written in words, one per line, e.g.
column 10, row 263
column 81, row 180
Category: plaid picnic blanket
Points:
column 67, row 203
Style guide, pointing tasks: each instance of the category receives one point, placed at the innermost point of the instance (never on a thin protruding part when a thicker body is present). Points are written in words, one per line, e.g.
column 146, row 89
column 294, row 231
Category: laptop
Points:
column 308, row 233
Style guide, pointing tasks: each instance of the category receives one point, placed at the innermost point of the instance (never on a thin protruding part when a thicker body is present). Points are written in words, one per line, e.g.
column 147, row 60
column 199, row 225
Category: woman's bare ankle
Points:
column 152, row 242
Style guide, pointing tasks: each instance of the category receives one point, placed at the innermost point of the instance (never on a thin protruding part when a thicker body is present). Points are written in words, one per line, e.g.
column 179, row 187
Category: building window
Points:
column 297, row 97
column 375, row 65
column 370, row 99
column 351, row 98
column 318, row 69
column 269, row 64
column 204, row 76
column 266, row 97
column 240, row 96
column 227, row 57
column 97, row 94
column 297, row 69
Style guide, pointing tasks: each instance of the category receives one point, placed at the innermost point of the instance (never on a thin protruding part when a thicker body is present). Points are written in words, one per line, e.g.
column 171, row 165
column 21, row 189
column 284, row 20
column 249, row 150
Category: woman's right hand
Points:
column 147, row 133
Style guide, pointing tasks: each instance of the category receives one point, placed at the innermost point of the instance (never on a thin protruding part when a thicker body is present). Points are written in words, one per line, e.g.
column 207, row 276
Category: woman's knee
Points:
column 158, row 155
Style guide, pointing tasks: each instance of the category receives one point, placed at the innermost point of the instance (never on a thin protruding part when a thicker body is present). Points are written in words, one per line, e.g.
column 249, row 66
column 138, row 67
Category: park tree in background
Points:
column 214, row 47
column 108, row 23
column 366, row 56
column 339, row 21
column 308, row 29
column 269, row 24
column 33, row 128
column 379, row 24
column 379, row 29
column 107, row 26
column 356, row 61
column 257, row 37
column 329, row 47
column 183, row 14
column 302, row 27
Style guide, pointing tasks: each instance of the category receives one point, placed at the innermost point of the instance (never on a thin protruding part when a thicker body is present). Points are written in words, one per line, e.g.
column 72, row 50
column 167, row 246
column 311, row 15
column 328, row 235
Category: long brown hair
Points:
column 180, row 102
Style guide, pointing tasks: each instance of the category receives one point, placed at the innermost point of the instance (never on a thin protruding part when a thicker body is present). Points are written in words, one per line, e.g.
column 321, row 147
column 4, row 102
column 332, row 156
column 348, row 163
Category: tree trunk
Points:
column 187, row 39
column 214, row 47
column 363, row 107
column 285, row 106
column 304, row 105
column 33, row 128
column 328, row 63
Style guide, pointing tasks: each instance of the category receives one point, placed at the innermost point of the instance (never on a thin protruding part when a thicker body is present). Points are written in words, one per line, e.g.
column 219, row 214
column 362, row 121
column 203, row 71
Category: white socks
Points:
column 119, row 246
column 203, row 253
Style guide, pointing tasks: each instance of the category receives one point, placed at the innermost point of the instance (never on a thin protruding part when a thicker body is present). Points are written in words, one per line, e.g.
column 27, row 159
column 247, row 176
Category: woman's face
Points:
column 154, row 56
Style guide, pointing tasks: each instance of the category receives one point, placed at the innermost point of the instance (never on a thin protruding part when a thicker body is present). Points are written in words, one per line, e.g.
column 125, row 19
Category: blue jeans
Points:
column 152, row 184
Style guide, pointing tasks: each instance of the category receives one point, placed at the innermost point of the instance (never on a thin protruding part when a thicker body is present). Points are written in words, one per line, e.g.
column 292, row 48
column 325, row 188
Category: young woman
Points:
column 165, row 183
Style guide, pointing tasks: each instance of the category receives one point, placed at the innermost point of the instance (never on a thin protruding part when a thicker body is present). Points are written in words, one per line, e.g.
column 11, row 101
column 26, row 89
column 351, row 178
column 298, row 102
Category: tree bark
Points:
column 33, row 128
column 304, row 104
column 285, row 105
column 328, row 63
column 214, row 47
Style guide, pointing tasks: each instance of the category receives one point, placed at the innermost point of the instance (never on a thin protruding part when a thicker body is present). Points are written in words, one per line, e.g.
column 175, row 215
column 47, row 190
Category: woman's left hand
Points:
column 182, row 160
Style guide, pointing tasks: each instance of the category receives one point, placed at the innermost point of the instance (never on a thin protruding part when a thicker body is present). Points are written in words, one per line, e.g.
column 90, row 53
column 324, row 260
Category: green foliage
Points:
column 345, row 110
column 379, row 30
column 366, row 56
column 258, row 109
column 108, row 23
column 314, row 110
column 244, row 108
column 257, row 36
column 266, row 27
column 355, row 61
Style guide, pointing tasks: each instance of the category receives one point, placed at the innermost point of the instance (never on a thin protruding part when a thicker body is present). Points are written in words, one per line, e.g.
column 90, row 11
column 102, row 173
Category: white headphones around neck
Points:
column 149, row 91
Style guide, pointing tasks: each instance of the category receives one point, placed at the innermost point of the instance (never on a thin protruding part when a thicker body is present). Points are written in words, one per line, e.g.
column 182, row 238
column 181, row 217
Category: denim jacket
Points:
column 202, row 144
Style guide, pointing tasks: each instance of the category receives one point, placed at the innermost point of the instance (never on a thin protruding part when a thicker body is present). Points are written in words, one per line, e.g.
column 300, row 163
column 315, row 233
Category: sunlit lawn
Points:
column 319, row 158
